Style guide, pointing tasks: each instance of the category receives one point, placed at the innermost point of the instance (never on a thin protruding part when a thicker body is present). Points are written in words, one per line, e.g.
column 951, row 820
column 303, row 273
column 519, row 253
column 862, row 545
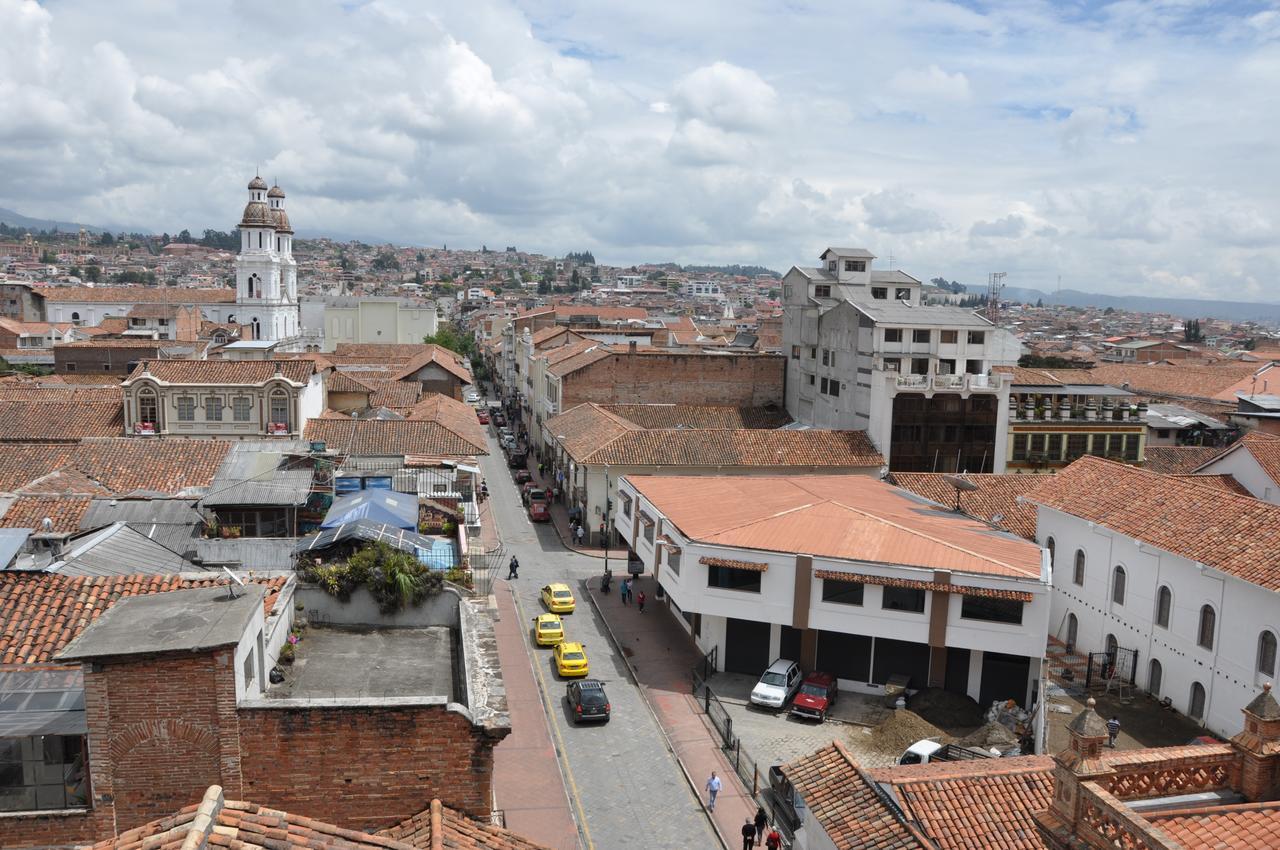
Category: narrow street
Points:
column 624, row 787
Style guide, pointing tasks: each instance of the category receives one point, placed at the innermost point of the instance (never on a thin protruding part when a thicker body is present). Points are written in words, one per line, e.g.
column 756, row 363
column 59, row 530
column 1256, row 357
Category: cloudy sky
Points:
column 1126, row 147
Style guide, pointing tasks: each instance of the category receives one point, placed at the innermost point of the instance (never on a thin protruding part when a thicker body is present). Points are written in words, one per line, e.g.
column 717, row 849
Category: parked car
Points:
column 818, row 692
column 523, row 476
column 539, row 511
column 571, row 659
column 517, row 460
column 548, row 629
column 472, row 397
column 777, row 685
column 928, row 751
column 499, row 419
column 558, row 598
column 531, row 492
column 483, row 416
column 587, row 700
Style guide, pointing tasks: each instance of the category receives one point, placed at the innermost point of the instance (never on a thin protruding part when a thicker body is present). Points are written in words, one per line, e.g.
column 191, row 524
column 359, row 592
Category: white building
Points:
column 863, row 352
column 702, row 289
column 845, row 574
column 266, row 273
column 1176, row 579
column 344, row 319
column 1254, row 461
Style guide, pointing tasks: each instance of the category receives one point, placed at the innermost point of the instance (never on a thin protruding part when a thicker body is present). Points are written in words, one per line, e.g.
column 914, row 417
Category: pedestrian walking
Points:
column 762, row 820
column 713, row 788
column 513, row 568
column 1113, row 731
column 581, row 534
column 773, row 841
column 624, row 589
column 541, row 467
column 640, row 601
column 748, row 835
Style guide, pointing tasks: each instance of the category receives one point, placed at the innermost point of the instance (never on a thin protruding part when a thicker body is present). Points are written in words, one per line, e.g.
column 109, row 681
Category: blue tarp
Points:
column 398, row 510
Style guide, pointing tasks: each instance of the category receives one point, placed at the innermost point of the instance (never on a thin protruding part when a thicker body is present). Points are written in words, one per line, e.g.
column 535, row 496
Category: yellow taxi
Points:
column 558, row 598
column 571, row 659
column 548, row 630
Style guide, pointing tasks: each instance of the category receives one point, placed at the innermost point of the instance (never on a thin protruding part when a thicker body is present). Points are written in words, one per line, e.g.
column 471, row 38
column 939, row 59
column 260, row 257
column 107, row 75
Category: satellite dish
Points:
column 996, row 519
column 236, row 580
column 960, row 483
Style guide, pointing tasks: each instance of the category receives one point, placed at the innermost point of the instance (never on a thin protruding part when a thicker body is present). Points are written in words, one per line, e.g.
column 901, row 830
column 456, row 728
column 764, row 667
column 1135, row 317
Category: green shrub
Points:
column 395, row 578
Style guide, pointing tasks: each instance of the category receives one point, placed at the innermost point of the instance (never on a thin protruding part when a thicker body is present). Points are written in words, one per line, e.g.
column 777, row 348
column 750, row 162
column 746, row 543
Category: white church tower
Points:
column 266, row 273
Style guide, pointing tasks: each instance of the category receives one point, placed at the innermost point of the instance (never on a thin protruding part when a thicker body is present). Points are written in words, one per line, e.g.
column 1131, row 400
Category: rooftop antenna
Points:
column 995, row 285
column 235, row 582
column 961, row 485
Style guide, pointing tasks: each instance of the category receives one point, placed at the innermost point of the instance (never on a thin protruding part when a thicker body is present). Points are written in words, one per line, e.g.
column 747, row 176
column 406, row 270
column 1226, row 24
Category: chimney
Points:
column 1257, row 745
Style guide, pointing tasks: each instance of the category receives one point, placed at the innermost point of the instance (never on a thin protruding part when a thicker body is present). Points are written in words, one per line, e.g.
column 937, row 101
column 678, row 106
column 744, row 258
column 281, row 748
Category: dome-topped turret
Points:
column 280, row 219
column 257, row 183
column 256, row 214
column 276, row 192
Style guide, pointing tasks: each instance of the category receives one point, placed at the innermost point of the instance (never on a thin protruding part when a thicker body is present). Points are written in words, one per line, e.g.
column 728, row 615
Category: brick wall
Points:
column 365, row 767
column 47, row 831
column 724, row 379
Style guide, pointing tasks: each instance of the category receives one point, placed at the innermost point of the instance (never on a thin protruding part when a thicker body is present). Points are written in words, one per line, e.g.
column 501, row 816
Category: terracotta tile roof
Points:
column 984, row 803
column 440, row 356
column 43, row 393
column 1231, row 533
column 1265, row 449
column 586, row 428
column 1239, row 827
column 341, row 382
column 397, row 395
column 61, row 420
column 381, row 352
column 81, row 380
column 122, row 465
column 846, row 803
column 935, row 586
column 1177, row 380
column 1174, row 460
column 698, row 416
column 112, row 342
column 137, row 294
column 390, row 437
column 996, row 495
column 1225, row 481
column 569, row 358
column 851, row 517
column 454, row 831
column 30, row 511
column 547, row 334
column 41, row 613
column 458, row 417
column 729, row 563
column 1021, row 376
column 739, row 447
column 243, row 372
column 64, row 482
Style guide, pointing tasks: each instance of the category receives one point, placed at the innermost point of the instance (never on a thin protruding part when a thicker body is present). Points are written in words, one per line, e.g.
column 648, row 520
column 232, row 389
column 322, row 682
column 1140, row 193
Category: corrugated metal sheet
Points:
column 252, row 474
column 173, row 523
column 118, row 550
column 258, row 553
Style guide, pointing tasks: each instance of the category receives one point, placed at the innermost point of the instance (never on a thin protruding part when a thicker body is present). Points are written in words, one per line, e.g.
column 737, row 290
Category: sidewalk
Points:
column 560, row 519
column 660, row 656
column 527, row 785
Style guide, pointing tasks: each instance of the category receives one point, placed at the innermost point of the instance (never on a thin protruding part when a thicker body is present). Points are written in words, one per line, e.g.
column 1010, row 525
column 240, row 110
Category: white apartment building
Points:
column 1177, row 580
column 845, row 574
column 345, row 319
column 865, row 353
column 702, row 289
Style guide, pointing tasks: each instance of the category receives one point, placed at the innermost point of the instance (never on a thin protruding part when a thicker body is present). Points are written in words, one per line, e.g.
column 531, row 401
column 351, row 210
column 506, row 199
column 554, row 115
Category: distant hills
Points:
column 14, row 219
column 1181, row 307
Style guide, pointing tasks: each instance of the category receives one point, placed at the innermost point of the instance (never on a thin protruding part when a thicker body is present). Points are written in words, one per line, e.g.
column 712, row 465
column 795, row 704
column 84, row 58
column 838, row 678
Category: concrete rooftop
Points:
column 354, row 661
column 177, row 621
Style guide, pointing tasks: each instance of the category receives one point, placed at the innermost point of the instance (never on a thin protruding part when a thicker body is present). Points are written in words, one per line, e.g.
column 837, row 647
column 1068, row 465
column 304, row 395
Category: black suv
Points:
column 587, row 700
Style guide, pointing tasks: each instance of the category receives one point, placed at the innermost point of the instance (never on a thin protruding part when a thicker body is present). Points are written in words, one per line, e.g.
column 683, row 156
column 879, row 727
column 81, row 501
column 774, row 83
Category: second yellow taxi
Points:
column 548, row 629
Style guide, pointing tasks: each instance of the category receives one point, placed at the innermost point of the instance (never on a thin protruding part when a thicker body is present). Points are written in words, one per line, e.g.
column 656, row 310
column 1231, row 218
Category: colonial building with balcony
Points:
column 1055, row 418
column 229, row 399
column 864, row 353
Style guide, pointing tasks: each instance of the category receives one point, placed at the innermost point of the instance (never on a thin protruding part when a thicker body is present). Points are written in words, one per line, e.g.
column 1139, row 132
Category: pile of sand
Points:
column 990, row 735
column 900, row 731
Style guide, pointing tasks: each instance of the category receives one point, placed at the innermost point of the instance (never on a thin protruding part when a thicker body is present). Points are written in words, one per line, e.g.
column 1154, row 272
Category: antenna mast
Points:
column 995, row 283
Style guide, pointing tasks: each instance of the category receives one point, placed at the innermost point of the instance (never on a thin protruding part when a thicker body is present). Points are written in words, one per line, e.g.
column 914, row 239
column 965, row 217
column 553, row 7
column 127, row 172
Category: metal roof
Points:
column 366, row 529
column 254, row 476
column 42, row 702
column 250, row 553
column 11, row 543
column 173, row 523
column 897, row 313
column 118, row 550
column 1177, row 416
column 384, row 506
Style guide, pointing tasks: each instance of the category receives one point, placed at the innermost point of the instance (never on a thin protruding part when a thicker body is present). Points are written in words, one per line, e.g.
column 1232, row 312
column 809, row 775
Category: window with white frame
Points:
column 213, row 408
column 186, row 408
column 241, row 408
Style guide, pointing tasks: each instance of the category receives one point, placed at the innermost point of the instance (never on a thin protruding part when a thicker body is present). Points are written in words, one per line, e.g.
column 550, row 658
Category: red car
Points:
column 523, row 476
column 817, row 694
column 483, row 416
column 539, row 512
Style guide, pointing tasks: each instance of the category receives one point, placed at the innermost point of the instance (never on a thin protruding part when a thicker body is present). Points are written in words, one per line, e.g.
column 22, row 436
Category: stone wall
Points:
column 649, row 378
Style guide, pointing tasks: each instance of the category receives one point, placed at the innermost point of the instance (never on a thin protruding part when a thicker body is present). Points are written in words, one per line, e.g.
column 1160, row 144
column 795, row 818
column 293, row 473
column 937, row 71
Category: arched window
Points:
column 1164, row 606
column 1195, row 709
column 1208, row 622
column 75, row 318
column 1073, row 629
column 1155, row 678
column 1078, row 576
column 257, row 328
column 1117, row 585
column 1052, row 546
column 1267, row 653
column 148, row 410
column 1112, row 646
column 279, row 410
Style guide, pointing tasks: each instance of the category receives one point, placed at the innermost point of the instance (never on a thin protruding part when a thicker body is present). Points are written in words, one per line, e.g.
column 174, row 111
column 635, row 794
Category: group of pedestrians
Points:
column 627, row 592
column 753, row 828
